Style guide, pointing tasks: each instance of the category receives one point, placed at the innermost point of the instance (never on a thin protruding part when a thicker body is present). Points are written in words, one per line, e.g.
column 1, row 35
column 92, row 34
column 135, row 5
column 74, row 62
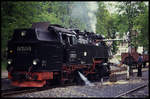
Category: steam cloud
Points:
column 85, row 11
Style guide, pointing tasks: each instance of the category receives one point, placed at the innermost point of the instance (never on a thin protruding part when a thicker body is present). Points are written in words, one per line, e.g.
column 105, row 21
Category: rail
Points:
column 132, row 90
column 20, row 90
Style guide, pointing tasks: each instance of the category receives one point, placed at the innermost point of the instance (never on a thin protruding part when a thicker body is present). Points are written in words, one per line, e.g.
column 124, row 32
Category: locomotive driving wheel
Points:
column 101, row 71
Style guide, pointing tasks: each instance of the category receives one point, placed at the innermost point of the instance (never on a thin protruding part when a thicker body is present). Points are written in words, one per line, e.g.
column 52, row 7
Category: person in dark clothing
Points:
column 140, row 60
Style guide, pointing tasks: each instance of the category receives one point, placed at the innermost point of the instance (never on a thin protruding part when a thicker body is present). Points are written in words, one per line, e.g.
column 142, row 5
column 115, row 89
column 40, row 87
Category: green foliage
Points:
column 134, row 16
column 141, row 22
column 3, row 65
column 102, row 19
column 107, row 24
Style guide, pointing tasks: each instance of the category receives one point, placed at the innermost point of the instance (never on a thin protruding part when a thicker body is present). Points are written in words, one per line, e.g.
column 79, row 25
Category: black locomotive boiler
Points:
column 50, row 53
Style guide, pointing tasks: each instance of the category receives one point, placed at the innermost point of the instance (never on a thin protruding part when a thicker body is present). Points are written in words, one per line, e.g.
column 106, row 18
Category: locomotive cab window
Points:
column 74, row 40
column 46, row 35
column 69, row 39
column 64, row 39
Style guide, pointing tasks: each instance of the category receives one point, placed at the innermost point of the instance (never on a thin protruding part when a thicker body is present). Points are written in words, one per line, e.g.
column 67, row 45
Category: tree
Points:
column 102, row 19
column 132, row 13
column 141, row 24
column 107, row 24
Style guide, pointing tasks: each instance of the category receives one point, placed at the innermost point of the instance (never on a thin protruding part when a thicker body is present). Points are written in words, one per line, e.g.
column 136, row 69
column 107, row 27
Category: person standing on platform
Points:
column 140, row 60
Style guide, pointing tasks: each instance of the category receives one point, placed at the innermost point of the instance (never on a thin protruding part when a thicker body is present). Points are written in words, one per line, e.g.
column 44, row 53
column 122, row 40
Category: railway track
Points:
column 14, row 91
column 20, row 90
column 132, row 90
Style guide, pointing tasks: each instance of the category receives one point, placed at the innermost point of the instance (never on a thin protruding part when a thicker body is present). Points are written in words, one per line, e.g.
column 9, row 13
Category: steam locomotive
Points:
column 49, row 53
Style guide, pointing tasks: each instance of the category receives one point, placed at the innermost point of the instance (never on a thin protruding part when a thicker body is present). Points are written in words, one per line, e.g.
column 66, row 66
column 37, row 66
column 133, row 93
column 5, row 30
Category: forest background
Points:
column 105, row 18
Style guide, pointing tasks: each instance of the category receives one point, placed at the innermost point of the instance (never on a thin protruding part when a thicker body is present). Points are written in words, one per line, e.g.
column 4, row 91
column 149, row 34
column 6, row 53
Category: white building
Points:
column 123, row 47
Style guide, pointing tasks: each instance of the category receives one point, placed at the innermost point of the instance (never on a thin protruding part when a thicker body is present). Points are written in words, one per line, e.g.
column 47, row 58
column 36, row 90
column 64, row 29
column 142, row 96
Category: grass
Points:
column 3, row 65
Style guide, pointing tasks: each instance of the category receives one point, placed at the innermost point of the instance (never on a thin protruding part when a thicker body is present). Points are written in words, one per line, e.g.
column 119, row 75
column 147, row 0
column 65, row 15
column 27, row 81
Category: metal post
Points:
column 129, row 39
column 129, row 70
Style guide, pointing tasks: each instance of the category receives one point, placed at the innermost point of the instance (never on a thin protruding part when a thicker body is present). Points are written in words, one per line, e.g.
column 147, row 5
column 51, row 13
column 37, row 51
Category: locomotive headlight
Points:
column 34, row 62
column 96, row 44
column 9, row 61
column 11, row 51
column 23, row 33
column 85, row 53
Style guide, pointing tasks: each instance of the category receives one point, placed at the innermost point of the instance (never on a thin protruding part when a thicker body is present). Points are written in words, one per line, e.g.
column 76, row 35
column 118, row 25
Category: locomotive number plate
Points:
column 24, row 48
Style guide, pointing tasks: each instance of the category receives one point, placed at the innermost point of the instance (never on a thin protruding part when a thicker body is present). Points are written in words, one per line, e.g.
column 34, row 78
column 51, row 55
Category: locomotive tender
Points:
column 50, row 53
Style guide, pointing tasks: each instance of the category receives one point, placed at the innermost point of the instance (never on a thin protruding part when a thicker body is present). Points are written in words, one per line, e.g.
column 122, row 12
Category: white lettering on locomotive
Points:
column 23, row 48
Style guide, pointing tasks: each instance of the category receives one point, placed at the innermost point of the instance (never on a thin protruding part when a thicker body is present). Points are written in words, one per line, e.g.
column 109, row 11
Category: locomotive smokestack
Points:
column 85, row 11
